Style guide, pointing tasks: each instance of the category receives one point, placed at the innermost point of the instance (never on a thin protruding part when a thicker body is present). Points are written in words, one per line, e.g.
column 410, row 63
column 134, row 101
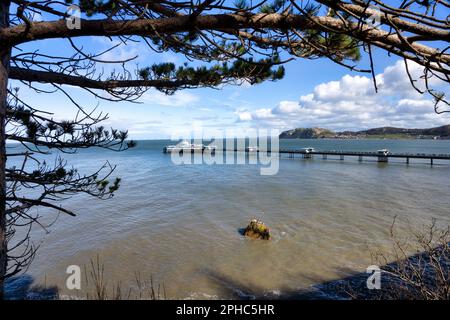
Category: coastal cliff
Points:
column 442, row 132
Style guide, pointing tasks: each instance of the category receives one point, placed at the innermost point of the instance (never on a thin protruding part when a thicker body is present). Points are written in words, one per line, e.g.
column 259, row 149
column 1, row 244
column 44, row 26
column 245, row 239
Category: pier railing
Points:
column 370, row 154
column 381, row 155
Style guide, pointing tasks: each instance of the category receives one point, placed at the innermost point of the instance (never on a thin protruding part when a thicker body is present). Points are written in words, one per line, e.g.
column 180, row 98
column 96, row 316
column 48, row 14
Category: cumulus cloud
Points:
column 352, row 103
column 245, row 116
column 178, row 99
column 286, row 107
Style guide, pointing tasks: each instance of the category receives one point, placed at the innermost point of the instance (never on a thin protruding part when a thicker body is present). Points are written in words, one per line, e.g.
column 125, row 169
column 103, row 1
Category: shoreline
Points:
column 369, row 138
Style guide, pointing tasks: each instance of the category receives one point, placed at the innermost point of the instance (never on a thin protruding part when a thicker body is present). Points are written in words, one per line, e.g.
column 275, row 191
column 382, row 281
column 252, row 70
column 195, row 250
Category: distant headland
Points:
column 436, row 133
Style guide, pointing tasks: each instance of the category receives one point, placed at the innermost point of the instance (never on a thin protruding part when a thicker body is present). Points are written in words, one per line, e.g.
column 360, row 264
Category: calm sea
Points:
column 180, row 223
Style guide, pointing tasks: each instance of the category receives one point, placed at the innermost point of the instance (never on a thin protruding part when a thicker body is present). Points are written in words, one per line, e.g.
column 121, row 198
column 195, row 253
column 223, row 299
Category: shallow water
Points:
column 180, row 223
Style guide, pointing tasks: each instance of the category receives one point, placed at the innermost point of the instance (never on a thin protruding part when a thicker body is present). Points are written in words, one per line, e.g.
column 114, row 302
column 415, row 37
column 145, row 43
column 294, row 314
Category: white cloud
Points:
column 178, row 99
column 263, row 114
column 352, row 103
column 349, row 88
column 286, row 107
column 117, row 51
column 244, row 116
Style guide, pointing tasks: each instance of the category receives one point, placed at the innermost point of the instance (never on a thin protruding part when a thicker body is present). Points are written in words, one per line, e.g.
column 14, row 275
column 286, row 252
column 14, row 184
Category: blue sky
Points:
column 313, row 93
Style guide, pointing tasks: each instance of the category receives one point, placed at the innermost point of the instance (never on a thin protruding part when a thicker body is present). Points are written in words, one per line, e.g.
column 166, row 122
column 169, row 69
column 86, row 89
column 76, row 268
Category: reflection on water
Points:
column 180, row 223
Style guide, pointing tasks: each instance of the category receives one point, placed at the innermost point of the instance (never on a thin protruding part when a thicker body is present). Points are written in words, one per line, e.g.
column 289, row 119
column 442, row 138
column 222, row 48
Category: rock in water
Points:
column 257, row 230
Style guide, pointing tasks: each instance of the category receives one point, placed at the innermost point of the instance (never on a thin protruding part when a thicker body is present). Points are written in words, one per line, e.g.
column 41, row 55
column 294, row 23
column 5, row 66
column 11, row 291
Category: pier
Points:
column 380, row 155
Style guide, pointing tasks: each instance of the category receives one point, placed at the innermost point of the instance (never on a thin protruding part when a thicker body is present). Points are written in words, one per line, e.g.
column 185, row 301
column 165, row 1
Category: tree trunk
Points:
column 4, row 70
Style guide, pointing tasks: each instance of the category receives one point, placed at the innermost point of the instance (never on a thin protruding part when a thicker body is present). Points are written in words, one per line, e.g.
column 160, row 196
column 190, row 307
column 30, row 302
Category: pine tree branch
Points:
column 79, row 81
column 151, row 27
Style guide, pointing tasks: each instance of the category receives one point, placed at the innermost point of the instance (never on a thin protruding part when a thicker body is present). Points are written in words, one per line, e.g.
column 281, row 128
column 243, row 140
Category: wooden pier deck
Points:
column 361, row 155
column 382, row 156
